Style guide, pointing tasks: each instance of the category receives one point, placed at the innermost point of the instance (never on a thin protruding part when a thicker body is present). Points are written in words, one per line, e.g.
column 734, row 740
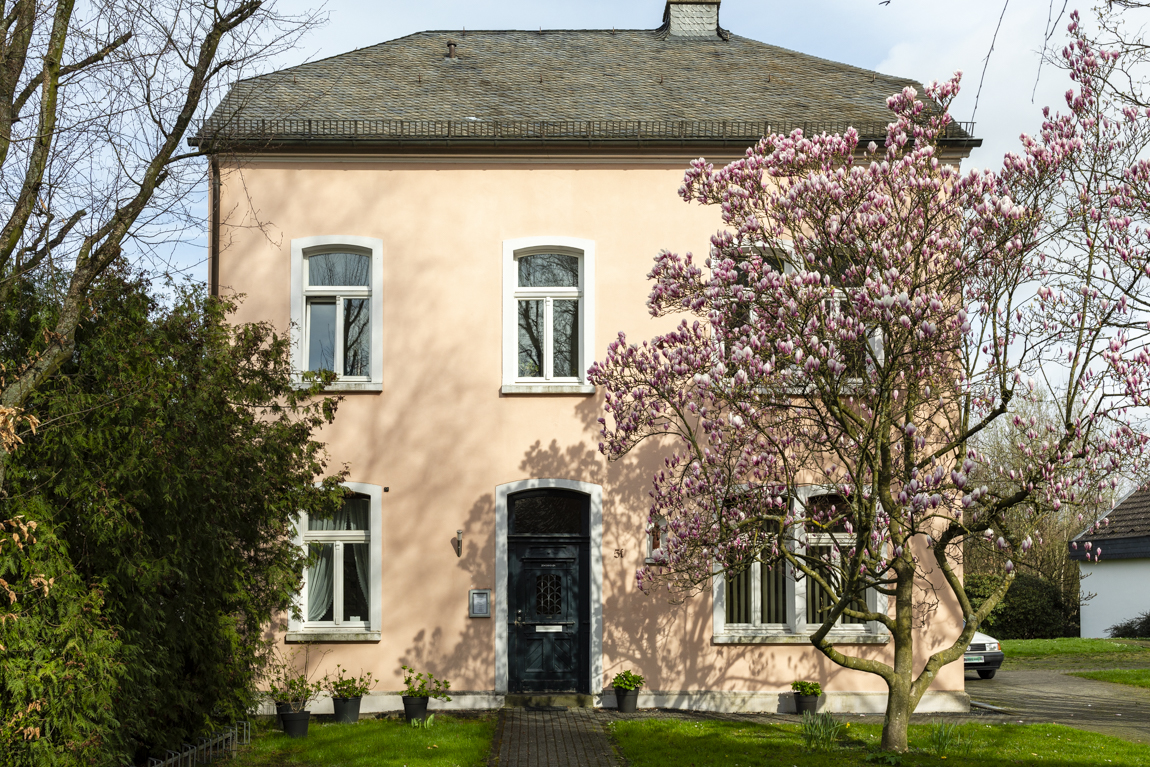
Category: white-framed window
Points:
column 548, row 315
column 337, row 309
column 772, row 603
column 342, row 589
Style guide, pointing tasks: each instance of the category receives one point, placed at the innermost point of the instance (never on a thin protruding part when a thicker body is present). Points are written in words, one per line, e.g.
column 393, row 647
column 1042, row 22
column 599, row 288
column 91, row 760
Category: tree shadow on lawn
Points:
column 672, row 743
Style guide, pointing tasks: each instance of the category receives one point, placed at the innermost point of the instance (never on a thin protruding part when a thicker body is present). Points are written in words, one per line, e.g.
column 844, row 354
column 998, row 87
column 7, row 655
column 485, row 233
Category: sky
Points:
column 920, row 39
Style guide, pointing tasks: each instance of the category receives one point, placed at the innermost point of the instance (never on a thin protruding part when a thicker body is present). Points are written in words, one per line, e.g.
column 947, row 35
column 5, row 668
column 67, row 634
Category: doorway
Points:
column 548, row 591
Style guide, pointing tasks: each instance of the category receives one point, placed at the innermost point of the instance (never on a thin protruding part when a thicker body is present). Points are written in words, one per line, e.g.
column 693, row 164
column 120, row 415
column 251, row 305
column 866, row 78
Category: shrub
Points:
column 806, row 688
column 627, row 680
column 1033, row 608
column 1132, row 628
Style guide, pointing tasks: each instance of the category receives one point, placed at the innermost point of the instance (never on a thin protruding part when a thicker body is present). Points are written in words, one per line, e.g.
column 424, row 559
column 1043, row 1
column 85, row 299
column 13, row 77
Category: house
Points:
column 1122, row 543
column 457, row 223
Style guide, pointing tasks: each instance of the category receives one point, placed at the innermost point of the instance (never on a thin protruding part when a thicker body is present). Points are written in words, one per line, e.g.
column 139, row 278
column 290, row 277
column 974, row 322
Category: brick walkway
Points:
column 570, row 738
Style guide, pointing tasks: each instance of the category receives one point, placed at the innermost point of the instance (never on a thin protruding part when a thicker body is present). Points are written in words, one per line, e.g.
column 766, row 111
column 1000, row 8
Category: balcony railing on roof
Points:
column 530, row 130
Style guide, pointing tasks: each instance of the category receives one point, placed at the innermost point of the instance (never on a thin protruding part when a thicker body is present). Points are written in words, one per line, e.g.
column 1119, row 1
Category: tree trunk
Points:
column 900, row 700
column 898, row 710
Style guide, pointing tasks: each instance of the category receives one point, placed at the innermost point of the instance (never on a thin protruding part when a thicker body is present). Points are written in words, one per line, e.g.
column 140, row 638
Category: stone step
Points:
column 568, row 699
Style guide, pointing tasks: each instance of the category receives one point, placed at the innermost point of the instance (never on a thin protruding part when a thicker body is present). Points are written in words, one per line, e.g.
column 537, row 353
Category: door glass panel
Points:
column 530, row 339
column 548, row 594
column 549, row 270
column 339, row 269
column 355, row 575
column 357, row 337
column 321, row 336
column 320, row 582
column 565, row 355
column 547, row 514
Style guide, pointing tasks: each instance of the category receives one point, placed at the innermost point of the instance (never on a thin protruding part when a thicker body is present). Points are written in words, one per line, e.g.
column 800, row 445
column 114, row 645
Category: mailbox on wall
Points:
column 479, row 603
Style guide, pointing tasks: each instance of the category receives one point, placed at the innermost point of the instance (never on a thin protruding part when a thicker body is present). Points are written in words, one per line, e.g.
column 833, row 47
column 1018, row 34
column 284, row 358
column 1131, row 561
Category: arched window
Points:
column 548, row 315
column 337, row 309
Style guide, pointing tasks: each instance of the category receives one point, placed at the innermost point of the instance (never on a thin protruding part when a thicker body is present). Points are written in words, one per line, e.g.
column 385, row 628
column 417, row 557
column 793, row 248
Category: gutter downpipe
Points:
column 214, row 233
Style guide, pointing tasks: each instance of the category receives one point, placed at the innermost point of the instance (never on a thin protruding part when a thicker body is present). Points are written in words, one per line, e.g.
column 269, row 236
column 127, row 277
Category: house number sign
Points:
column 479, row 603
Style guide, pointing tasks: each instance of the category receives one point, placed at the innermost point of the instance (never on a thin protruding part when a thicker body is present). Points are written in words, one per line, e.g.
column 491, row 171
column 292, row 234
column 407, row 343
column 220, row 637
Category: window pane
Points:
column 549, row 270
column 352, row 516
column 355, row 582
column 738, row 596
column 330, row 269
column 321, row 336
column 818, row 600
column 773, row 590
column 531, row 339
column 548, row 595
column 320, row 585
column 357, row 337
column 548, row 513
column 565, row 356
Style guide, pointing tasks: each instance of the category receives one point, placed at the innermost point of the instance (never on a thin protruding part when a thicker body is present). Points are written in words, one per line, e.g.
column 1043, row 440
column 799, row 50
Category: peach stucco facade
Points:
column 442, row 437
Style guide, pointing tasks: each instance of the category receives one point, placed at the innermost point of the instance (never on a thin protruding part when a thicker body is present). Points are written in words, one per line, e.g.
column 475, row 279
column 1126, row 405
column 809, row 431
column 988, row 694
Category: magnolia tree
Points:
column 866, row 313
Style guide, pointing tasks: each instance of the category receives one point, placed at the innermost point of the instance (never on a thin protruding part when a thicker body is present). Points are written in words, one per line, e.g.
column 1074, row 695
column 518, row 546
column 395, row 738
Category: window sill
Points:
column 840, row 638
column 545, row 388
column 332, row 636
column 367, row 386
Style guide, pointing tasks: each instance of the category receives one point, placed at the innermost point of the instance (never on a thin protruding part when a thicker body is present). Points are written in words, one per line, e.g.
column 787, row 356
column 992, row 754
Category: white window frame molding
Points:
column 514, row 249
column 299, row 629
column 303, row 247
column 595, row 493
column 796, row 630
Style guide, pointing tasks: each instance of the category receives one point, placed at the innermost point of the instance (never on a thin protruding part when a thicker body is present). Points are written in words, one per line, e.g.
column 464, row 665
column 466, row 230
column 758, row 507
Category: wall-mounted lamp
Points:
column 459, row 543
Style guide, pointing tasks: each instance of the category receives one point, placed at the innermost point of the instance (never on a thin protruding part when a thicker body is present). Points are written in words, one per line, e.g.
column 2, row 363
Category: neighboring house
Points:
column 458, row 223
column 1118, row 579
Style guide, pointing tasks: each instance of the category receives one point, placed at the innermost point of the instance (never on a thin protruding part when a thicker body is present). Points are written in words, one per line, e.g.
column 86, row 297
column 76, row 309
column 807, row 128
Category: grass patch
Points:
column 672, row 743
column 1139, row 677
column 450, row 742
column 1046, row 648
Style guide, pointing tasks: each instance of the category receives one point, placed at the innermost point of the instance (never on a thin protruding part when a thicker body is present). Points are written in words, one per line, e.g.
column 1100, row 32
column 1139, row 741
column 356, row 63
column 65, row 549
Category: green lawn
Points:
column 384, row 742
column 1045, row 648
column 1137, row 677
column 671, row 743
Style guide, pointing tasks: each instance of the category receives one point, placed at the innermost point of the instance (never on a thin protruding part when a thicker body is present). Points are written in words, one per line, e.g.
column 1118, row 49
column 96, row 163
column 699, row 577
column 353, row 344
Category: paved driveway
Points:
column 1053, row 696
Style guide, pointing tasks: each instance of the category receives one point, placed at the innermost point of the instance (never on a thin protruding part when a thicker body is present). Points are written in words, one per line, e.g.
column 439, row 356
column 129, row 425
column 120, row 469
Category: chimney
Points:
column 692, row 18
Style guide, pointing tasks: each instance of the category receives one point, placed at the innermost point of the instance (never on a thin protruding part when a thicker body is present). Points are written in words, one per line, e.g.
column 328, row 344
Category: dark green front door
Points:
column 548, row 593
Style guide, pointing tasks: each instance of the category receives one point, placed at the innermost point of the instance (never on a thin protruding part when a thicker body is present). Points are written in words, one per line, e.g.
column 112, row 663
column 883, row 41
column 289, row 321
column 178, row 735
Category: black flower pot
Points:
column 282, row 706
column 346, row 709
column 295, row 723
column 415, row 708
column 806, row 703
column 626, row 700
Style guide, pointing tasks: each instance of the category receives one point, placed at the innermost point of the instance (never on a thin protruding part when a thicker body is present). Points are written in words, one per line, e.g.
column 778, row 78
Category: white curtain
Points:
column 321, row 576
column 320, row 583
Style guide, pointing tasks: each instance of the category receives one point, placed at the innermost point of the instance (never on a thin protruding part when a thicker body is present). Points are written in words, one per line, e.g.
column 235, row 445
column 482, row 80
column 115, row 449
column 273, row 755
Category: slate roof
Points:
column 1125, row 532
column 560, row 84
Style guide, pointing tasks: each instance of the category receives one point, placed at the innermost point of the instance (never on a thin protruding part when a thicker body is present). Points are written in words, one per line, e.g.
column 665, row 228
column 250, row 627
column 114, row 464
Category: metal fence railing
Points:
column 520, row 130
column 207, row 749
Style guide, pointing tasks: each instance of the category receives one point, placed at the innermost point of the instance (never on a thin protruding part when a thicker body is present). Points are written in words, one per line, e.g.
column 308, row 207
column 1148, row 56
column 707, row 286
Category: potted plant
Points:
column 346, row 693
column 419, row 688
column 806, row 696
column 292, row 690
column 627, row 686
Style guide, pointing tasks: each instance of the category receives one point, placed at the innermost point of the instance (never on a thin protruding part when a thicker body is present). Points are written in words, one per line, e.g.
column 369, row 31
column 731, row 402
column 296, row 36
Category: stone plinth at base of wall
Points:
column 845, row 702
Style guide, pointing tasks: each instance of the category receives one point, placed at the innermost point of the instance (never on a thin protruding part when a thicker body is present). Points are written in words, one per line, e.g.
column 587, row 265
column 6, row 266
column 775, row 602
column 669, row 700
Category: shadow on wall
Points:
column 468, row 655
column 666, row 638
